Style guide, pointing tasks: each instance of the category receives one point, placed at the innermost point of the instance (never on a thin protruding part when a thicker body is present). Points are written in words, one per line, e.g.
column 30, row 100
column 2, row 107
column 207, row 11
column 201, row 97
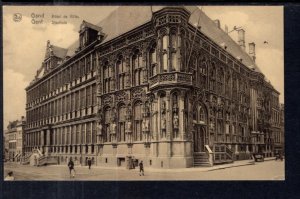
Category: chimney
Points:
column 252, row 50
column 217, row 22
column 226, row 29
column 241, row 38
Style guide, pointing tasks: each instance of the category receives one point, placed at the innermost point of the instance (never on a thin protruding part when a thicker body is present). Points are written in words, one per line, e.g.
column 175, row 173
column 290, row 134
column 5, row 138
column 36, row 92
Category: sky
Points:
column 24, row 43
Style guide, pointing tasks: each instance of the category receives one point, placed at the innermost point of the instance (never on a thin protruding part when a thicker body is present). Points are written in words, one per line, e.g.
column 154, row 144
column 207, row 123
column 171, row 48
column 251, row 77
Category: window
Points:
column 94, row 95
column 94, row 62
column 174, row 61
column 78, row 134
column 88, row 96
column 212, row 77
column 83, row 140
column 165, row 55
column 106, row 126
column 106, row 77
column 120, row 65
column 137, row 133
column 88, row 133
column 94, row 132
column 121, row 131
column 220, row 80
column 137, row 68
column 77, row 100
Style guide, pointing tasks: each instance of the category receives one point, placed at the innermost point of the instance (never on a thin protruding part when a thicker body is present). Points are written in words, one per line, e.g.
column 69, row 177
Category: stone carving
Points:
column 138, row 93
column 113, row 128
column 121, row 96
column 107, row 99
column 176, row 122
column 128, row 126
column 163, row 122
column 145, row 124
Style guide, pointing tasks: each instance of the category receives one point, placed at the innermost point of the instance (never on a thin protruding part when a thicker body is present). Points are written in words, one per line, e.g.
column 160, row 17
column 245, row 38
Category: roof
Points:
column 92, row 26
column 126, row 18
column 59, row 52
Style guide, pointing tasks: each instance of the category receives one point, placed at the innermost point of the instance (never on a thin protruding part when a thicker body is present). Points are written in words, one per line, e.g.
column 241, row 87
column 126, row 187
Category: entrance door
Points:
column 199, row 137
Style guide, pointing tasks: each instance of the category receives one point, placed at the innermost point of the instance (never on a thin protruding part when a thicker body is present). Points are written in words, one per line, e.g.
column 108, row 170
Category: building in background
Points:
column 167, row 86
column 5, row 146
column 14, row 137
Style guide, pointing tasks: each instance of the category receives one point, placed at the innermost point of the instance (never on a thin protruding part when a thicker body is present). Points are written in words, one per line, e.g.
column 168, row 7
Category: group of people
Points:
column 89, row 163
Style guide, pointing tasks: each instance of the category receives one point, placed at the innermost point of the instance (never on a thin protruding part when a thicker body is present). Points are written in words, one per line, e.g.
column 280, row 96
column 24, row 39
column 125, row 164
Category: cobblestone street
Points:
column 269, row 170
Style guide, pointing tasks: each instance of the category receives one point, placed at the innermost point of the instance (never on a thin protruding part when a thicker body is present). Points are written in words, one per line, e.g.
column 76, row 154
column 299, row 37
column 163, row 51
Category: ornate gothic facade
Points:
column 162, row 92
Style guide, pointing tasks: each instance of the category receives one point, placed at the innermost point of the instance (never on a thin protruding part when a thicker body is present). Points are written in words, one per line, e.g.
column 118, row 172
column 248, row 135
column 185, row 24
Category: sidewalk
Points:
column 238, row 163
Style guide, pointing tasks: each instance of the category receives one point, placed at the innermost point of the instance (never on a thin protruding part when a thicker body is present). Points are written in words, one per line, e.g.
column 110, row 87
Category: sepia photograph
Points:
column 143, row 93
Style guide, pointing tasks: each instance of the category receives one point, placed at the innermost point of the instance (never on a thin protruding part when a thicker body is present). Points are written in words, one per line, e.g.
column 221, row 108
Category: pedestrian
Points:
column 89, row 162
column 141, row 168
column 71, row 168
column 10, row 176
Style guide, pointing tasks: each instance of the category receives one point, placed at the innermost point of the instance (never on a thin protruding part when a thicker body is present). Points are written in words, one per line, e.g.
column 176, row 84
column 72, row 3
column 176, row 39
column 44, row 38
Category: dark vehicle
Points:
column 258, row 157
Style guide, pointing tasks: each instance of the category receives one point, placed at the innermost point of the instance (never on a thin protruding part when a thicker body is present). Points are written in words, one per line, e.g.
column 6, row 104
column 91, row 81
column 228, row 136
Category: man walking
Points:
column 89, row 162
column 141, row 168
column 71, row 168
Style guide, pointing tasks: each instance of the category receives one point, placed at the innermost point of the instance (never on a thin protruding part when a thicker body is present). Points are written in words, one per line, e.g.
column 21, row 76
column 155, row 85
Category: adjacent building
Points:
column 14, row 138
column 167, row 86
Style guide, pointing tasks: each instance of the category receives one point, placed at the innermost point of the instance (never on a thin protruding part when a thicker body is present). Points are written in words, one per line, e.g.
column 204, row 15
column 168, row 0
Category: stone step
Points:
column 203, row 164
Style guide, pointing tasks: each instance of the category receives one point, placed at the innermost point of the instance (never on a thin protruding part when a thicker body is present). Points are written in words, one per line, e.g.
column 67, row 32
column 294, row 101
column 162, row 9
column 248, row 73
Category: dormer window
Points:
column 88, row 33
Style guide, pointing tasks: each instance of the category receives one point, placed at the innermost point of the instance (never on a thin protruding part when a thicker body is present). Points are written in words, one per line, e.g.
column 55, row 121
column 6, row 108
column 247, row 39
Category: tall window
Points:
column 227, row 83
column 94, row 95
column 106, row 77
column 174, row 61
column 88, row 96
column 94, row 62
column 137, row 134
column 88, row 63
column 212, row 78
column 137, row 67
column 202, row 69
column 106, row 125
column 220, row 81
column 121, row 131
column 83, row 136
column 153, row 62
column 78, row 140
column 82, row 98
column 165, row 53
column 120, row 65
column 94, row 132
column 88, row 133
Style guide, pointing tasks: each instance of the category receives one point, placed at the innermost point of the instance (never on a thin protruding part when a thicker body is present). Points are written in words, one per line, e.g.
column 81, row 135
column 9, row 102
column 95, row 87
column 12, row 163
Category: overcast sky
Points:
column 24, row 43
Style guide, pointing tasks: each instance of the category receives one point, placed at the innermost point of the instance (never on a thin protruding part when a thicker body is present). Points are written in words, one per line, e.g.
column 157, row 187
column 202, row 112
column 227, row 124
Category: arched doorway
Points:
column 200, row 125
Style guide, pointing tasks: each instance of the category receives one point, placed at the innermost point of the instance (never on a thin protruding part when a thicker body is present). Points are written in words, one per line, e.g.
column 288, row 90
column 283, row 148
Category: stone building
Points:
column 167, row 86
column 14, row 138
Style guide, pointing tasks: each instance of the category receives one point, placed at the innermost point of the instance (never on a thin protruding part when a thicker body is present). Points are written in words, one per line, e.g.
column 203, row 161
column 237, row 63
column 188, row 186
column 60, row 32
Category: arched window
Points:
column 137, row 131
column 220, row 80
column 202, row 115
column 175, row 115
column 212, row 78
column 202, row 68
column 121, row 127
column 165, row 53
column 153, row 60
column 107, row 113
column 174, row 61
column 106, row 72
column 120, row 65
column 137, row 67
column 227, row 83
